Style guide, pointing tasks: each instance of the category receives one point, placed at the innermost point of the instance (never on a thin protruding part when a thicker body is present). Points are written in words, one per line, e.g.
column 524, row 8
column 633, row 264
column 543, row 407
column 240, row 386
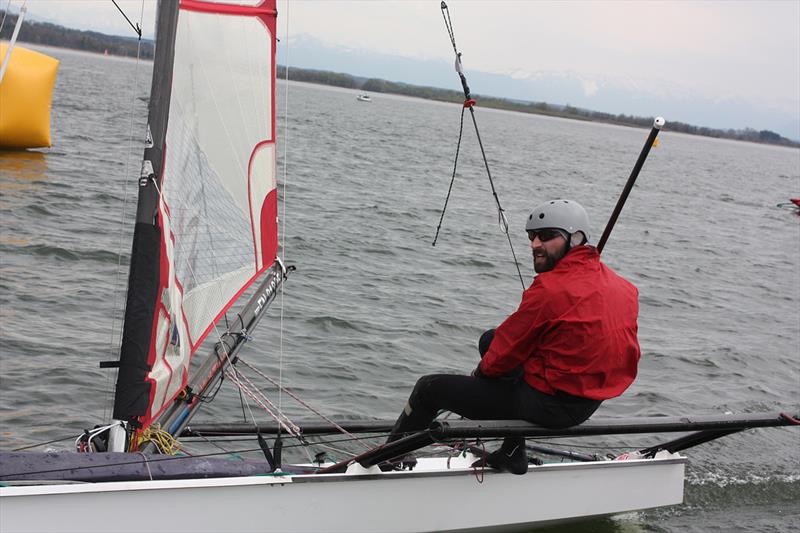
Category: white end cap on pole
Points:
column 659, row 122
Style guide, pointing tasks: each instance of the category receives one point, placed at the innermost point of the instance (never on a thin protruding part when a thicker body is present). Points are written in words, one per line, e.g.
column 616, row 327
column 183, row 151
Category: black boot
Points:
column 511, row 457
column 401, row 427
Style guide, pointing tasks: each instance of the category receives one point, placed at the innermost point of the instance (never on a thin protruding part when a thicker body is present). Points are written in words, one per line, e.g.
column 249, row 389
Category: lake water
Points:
column 373, row 305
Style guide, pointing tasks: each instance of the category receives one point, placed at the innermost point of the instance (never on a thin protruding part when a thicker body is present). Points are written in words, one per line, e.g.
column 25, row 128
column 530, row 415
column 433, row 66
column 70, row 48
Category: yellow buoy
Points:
column 26, row 91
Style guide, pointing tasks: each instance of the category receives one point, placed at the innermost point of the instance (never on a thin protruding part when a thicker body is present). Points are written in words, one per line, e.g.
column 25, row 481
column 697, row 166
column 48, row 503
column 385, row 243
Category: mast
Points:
column 132, row 390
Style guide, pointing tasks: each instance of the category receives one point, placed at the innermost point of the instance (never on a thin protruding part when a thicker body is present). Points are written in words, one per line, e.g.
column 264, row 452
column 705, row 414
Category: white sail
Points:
column 216, row 190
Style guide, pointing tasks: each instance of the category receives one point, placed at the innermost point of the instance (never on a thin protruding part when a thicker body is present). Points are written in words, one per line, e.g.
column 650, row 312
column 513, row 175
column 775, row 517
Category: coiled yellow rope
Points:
column 166, row 443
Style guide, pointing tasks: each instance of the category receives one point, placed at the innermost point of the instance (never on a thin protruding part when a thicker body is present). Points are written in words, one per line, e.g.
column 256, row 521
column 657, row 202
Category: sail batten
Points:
column 207, row 217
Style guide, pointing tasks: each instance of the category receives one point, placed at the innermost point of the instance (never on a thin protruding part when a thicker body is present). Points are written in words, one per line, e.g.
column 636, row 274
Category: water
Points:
column 373, row 305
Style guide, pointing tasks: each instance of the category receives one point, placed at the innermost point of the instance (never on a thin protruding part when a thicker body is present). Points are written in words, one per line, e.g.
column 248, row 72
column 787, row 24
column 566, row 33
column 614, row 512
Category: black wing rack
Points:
column 706, row 428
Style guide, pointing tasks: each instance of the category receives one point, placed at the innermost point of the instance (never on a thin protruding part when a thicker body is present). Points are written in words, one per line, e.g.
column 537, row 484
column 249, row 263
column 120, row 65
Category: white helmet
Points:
column 566, row 215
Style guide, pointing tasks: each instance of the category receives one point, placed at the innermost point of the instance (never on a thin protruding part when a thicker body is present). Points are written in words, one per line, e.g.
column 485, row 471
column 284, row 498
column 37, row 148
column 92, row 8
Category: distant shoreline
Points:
column 375, row 85
column 38, row 33
column 44, row 33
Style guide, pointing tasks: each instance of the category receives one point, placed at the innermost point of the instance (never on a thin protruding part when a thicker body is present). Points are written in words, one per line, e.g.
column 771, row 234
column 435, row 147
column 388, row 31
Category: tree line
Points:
column 53, row 35
column 91, row 41
column 540, row 108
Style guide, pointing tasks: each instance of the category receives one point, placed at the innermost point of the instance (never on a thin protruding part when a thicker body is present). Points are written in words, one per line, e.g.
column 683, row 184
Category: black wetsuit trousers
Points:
column 480, row 398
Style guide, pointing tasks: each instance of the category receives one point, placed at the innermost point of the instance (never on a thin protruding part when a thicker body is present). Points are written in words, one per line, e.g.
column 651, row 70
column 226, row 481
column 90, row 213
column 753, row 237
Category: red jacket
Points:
column 574, row 331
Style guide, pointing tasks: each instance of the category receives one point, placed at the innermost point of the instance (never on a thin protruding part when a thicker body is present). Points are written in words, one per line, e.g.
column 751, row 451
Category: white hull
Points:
column 430, row 498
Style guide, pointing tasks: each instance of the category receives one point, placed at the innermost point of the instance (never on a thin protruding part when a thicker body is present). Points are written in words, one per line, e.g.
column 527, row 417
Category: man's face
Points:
column 548, row 247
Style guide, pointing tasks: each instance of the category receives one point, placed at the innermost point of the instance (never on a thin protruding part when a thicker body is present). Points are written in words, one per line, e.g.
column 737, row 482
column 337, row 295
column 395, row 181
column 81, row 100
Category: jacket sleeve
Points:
column 517, row 338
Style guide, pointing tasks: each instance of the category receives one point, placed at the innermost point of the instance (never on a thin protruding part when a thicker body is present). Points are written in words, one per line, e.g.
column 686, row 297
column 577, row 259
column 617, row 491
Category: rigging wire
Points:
column 236, row 452
column 283, row 224
column 233, row 373
column 59, row 439
column 291, row 427
column 248, row 438
column 278, row 416
column 260, row 398
column 137, row 28
column 176, row 457
column 115, row 345
column 325, row 443
column 303, row 403
column 208, row 398
column 469, row 102
column 160, row 458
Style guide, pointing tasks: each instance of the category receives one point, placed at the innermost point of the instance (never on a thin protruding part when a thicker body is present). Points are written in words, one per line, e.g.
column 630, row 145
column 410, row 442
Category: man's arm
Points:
column 517, row 338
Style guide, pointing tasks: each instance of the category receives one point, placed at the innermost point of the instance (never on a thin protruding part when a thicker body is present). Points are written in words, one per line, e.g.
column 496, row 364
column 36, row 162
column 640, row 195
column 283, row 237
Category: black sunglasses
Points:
column 545, row 234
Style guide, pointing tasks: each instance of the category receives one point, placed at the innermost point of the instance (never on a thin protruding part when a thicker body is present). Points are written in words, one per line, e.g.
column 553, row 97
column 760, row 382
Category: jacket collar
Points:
column 579, row 255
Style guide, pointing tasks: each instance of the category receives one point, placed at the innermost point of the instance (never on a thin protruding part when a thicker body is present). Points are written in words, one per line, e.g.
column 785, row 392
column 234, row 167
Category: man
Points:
column 570, row 345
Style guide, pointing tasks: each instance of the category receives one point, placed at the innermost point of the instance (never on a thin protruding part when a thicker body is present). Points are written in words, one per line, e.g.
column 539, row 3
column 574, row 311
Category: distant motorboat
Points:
column 363, row 98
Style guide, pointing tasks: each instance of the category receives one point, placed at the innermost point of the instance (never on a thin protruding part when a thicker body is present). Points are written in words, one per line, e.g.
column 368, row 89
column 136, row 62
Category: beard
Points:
column 544, row 261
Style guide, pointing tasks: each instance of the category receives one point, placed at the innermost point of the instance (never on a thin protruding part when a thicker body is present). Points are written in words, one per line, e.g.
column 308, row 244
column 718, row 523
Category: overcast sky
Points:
column 721, row 49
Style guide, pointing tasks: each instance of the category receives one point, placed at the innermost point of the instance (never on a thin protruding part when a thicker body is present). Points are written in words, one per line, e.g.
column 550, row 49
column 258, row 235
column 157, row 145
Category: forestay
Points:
column 207, row 214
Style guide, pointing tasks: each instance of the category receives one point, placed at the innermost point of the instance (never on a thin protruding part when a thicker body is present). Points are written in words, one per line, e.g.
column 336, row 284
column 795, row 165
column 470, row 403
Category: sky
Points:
column 715, row 50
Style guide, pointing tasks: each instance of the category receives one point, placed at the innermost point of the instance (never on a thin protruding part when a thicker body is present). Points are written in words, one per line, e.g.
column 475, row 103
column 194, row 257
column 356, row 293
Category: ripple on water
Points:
column 373, row 305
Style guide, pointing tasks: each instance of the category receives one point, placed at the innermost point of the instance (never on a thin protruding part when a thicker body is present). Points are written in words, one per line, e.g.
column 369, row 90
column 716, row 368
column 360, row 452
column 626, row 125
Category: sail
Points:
column 207, row 214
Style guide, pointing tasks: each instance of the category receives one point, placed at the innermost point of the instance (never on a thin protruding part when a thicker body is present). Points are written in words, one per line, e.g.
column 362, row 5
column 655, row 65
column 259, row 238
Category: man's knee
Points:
column 485, row 341
column 427, row 391
column 423, row 385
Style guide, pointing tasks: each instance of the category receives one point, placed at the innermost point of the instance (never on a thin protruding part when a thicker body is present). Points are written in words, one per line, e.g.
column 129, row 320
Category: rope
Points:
column 163, row 441
column 303, row 403
column 234, row 373
column 280, row 418
column 449, row 25
column 479, row 471
column 212, row 443
column 470, row 103
column 61, row 439
column 264, row 402
column 452, row 179
column 71, row 468
column 232, row 453
column 147, row 464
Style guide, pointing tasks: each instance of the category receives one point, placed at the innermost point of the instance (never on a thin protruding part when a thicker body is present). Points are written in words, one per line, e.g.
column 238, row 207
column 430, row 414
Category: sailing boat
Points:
column 206, row 236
